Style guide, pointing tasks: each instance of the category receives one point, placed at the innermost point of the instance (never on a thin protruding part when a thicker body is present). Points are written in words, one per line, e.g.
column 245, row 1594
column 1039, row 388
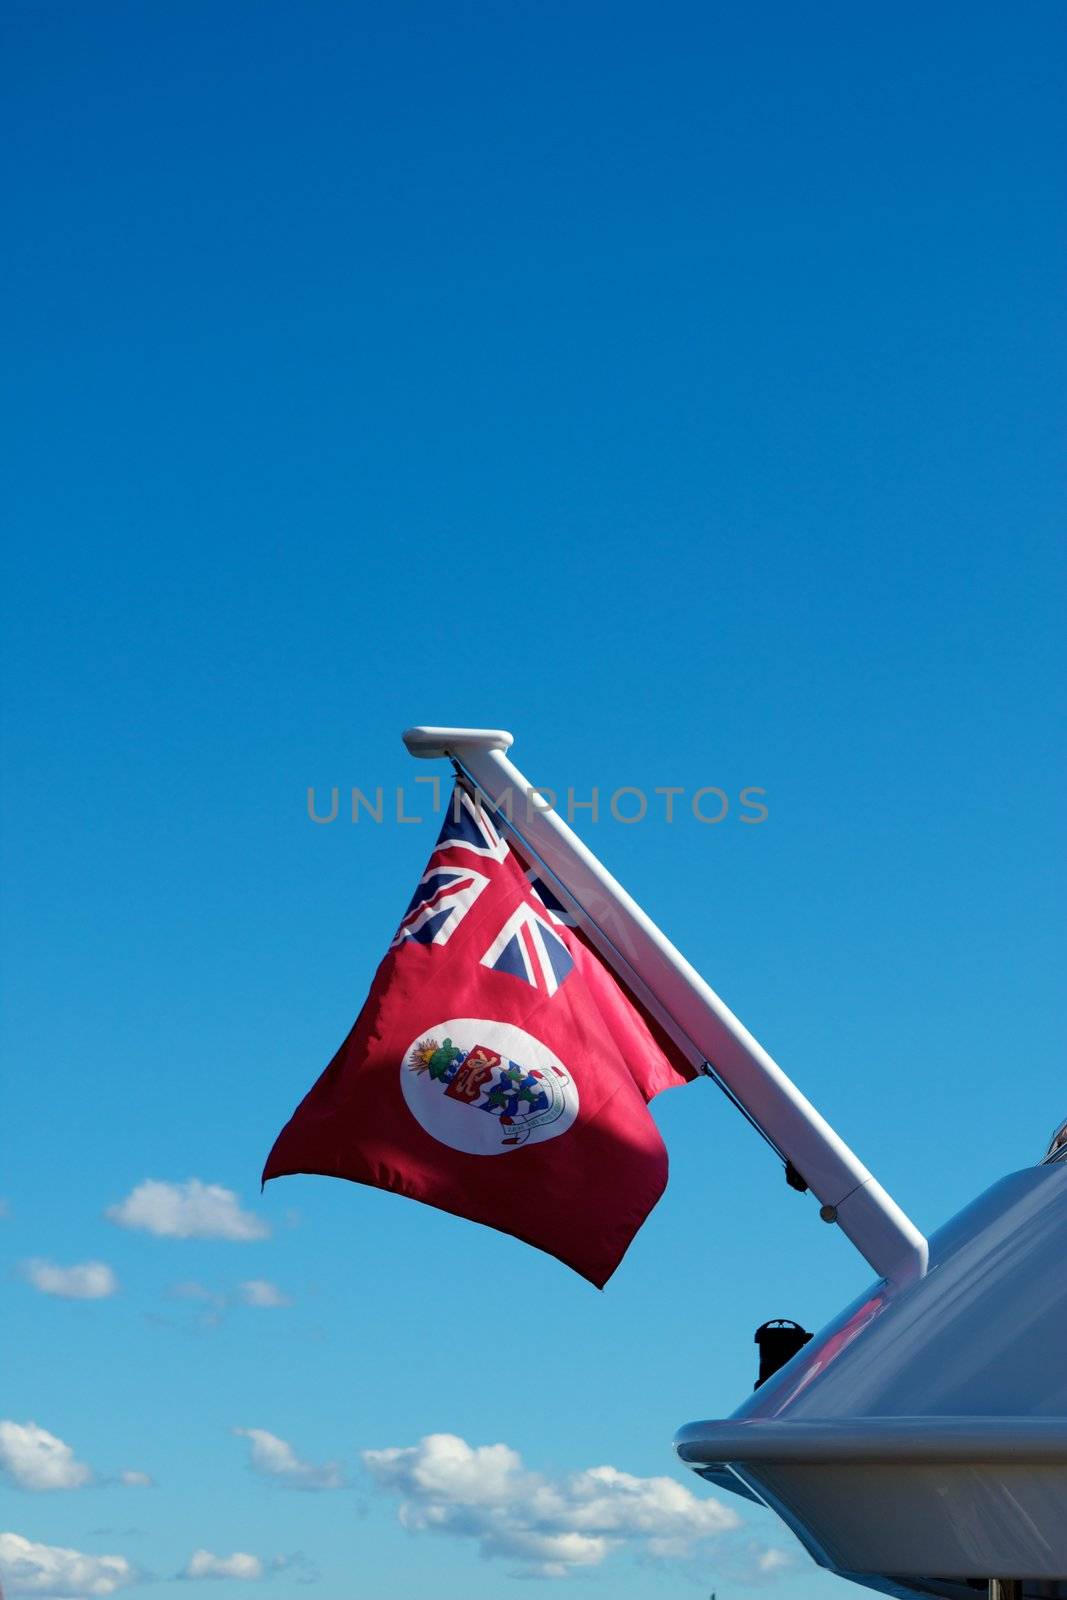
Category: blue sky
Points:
column 679, row 387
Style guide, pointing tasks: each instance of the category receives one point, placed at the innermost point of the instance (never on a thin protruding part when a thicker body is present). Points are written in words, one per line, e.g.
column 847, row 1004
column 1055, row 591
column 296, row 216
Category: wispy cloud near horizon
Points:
column 260, row 1292
column 130, row 1478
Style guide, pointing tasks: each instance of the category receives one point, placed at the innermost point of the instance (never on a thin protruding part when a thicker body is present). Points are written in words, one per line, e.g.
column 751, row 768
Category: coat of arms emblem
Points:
column 519, row 1089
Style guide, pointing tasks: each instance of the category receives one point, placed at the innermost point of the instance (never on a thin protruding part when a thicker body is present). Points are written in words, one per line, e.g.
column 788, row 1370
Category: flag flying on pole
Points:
column 498, row 1070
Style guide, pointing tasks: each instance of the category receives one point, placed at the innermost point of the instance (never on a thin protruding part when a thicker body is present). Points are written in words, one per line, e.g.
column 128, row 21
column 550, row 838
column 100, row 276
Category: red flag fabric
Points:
column 498, row 1070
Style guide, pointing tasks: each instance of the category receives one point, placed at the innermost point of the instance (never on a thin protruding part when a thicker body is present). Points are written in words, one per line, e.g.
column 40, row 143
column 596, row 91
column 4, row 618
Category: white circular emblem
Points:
column 486, row 1087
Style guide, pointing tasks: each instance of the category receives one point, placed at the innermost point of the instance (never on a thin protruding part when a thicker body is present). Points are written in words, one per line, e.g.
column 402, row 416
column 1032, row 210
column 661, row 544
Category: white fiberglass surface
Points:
column 980, row 1335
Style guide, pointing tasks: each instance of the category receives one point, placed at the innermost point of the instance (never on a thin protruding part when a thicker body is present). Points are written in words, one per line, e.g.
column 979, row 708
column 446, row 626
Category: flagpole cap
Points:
column 431, row 742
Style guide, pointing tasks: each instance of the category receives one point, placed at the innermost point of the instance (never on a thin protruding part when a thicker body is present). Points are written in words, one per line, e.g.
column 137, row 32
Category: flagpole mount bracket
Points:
column 429, row 743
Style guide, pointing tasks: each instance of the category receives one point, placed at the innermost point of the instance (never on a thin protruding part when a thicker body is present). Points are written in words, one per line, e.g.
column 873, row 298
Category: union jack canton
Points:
column 525, row 944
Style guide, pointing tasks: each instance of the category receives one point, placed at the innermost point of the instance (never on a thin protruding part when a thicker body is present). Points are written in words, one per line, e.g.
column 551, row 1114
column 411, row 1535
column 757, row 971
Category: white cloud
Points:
column 35, row 1459
column 202, row 1564
column 191, row 1210
column 195, row 1291
column 261, row 1292
column 549, row 1527
column 769, row 1562
column 136, row 1480
column 91, row 1280
column 747, row 1564
column 51, row 1570
column 275, row 1458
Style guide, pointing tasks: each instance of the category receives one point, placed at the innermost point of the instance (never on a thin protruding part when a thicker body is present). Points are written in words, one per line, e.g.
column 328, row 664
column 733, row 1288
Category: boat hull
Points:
column 919, row 1443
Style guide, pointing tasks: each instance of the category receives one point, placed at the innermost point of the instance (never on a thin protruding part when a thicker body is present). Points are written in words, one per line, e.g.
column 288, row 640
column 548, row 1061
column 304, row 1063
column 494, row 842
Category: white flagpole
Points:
column 847, row 1191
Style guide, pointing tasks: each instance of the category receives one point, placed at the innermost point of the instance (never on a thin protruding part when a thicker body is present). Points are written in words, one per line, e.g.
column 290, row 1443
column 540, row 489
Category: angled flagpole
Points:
column 694, row 1014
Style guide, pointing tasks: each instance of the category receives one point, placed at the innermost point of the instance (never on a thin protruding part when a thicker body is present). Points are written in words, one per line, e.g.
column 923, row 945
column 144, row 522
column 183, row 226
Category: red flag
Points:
column 497, row 1070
